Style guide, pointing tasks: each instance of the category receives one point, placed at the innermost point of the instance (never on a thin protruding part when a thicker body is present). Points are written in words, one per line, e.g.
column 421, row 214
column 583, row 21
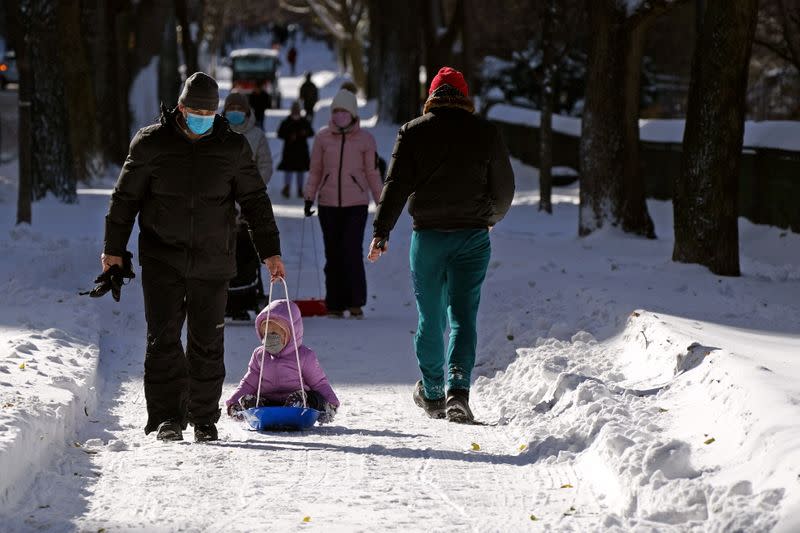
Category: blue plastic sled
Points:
column 281, row 418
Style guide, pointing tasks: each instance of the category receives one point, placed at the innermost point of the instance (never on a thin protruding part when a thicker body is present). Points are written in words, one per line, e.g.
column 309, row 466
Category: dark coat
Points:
column 184, row 193
column 454, row 167
column 309, row 94
column 294, row 133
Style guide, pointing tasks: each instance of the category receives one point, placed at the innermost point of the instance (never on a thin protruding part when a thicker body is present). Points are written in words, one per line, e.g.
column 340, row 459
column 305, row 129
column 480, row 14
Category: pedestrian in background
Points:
column 309, row 95
column 242, row 120
column 295, row 161
column 343, row 175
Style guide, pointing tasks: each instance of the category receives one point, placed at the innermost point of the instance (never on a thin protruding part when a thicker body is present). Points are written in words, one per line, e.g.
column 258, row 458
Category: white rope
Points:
column 294, row 337
column 263, row 347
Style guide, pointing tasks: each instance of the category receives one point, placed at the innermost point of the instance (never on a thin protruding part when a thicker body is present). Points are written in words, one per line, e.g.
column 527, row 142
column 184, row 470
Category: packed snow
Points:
column 621, row 391
column 775, row 134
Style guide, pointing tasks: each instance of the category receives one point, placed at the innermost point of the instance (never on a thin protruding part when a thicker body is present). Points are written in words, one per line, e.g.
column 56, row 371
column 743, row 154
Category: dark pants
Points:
column 314, row 400
column 343, row 234
column 184, row 387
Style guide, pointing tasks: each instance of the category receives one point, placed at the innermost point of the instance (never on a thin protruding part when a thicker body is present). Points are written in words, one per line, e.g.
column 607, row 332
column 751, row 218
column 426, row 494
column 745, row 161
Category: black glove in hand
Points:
column 236, row 411
column 113, row 279
column 327, row 414
column 307, row 209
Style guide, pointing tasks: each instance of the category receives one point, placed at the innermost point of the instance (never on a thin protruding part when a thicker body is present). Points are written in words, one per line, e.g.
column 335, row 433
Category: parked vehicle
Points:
column 8, row 69
column 257, row 66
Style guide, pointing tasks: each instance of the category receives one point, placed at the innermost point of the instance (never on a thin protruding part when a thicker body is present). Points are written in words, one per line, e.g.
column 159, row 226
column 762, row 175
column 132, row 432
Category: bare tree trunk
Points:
column 18, row 32
column 78, row 87
column 52, row 167
column 398, row 100
column 439, row 44
column 635, row 218
column 355, row 53
column 602, row 145
column 546, row 118
column 169, row 80
column 375, row 52
column 188, row 45
column 705, row 201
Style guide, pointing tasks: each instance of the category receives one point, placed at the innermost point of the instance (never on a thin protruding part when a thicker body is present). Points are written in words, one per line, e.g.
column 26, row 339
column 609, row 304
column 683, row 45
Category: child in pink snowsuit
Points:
column 280, row 382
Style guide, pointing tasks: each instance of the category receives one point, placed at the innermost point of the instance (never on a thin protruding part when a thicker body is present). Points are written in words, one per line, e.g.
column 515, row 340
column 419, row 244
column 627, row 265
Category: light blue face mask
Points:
column 236, row 118
column 199, row 124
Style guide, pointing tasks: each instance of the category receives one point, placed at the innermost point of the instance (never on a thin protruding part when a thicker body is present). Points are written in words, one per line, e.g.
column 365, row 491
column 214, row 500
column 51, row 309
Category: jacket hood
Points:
column 279, row 312
column 447, row 96
column 247, row 125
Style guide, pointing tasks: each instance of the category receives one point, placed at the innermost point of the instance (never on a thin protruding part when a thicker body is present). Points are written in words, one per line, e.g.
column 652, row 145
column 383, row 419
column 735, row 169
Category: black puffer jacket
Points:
column 184, row 193
column 451, row 166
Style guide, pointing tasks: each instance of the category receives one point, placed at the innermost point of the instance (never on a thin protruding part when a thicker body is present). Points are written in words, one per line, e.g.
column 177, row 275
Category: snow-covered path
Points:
column 631, row 393
column 380, row 466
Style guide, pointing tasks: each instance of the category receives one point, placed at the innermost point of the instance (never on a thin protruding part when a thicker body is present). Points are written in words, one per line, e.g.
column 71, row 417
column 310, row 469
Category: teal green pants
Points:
column 447, row 269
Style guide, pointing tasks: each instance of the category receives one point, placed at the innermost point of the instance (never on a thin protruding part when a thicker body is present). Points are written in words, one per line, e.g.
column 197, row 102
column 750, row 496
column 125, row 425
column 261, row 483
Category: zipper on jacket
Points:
column 191, row 211
column 341, row 161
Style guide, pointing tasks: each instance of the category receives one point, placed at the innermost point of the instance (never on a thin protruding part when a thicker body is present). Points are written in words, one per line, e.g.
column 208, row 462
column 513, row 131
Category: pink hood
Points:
column 359, row 176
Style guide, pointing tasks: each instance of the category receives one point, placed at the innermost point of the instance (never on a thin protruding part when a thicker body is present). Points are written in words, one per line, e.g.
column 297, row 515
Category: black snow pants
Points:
column 343, row 233
column 184, row 387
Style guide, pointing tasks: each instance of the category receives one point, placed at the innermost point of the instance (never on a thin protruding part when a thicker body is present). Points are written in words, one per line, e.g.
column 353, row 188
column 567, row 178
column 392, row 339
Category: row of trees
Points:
column 705, row 192
column 77, row 61
column 403, row 36
column 78, row 116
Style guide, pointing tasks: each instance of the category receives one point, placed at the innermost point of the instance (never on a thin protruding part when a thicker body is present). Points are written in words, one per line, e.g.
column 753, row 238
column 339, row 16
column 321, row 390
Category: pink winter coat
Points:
column 280, row 377
column 349, row 184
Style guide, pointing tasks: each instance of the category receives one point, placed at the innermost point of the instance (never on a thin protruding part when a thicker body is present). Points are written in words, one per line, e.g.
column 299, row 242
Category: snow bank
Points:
column 677, row 422
column 775, row 134
column 48, row 347
column 531, row 117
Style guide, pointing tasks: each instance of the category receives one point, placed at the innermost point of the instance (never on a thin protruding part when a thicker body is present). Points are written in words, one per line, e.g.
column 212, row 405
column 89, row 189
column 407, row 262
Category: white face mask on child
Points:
column 273, row 343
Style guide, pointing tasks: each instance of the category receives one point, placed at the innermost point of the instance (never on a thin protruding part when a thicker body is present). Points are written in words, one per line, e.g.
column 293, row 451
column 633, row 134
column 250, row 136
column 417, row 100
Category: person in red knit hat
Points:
column 452, row 77
column 454, row 166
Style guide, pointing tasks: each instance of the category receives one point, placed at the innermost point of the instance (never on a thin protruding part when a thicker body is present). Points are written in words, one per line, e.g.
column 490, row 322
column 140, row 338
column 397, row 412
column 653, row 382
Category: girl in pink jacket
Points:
column 343, row 174
column 280, row 380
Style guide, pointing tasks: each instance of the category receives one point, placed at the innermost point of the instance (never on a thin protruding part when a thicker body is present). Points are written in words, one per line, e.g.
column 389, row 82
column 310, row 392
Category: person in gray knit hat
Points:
column 181, row 178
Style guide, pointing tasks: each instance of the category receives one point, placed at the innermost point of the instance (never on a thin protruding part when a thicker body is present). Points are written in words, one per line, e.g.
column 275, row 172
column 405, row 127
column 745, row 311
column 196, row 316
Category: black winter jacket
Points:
column 295, row 133
column 184, row 193
column 453, row 169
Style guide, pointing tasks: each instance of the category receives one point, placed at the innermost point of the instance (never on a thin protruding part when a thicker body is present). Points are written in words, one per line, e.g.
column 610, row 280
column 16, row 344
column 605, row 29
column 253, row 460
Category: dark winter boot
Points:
column 433, row 408
column 205, row 432
column 285, row 191
column 356, row 312
column 458, row 406
column 169, row 430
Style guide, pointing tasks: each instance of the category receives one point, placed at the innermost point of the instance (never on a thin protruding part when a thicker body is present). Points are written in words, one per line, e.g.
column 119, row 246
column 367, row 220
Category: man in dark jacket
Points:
column 309, row 94
column 182, row 177
column 455, row 168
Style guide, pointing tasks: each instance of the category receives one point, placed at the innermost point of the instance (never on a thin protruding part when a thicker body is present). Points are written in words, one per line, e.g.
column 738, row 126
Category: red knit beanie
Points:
column 452, row 77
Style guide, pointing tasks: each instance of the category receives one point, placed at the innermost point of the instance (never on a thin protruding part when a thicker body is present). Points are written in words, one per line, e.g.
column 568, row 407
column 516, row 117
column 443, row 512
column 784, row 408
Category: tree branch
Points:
column 783, row 54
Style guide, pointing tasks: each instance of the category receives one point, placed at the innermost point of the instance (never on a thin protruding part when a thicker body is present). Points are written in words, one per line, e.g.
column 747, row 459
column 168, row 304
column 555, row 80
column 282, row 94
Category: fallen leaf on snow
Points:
column 476, row 447
column 709, row 441
column 306, row 519
column 533, row 518
column 566, row 486
column 523, row 447
column 22, row 366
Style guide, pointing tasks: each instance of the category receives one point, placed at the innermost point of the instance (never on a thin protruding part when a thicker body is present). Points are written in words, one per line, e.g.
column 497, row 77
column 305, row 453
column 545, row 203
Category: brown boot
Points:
column 356, row 312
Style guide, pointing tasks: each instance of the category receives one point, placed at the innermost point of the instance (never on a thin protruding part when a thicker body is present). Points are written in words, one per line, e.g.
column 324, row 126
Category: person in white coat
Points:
column 242, row 120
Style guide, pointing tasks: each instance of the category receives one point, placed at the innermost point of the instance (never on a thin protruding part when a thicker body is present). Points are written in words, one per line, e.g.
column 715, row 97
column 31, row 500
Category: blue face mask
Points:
column 235, row 117
column 199, row 124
